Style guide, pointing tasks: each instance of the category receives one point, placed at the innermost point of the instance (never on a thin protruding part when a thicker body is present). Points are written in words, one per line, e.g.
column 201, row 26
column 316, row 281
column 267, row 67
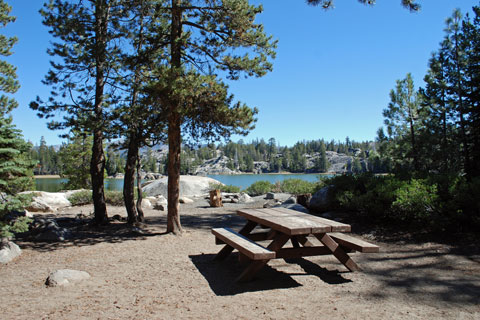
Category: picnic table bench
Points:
column 279, row 226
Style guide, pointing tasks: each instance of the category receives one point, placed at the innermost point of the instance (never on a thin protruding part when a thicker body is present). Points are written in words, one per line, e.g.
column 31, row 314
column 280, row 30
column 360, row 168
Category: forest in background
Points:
column 55, row 160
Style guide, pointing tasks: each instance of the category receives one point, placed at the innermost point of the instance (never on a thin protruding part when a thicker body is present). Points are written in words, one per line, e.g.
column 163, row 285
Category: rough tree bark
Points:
column 98, row 158
column 174, row 125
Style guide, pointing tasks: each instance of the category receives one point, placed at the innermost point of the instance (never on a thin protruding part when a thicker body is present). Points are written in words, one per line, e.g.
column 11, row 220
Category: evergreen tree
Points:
column 327, row 4
column 75, row 157
column 16, row 173
column 204, row 36
column 402, row 119
column 321, row 163
column 83, row 75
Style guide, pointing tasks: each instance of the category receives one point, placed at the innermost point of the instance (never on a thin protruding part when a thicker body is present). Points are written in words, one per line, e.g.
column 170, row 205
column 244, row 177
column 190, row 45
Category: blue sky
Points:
column 332, row 75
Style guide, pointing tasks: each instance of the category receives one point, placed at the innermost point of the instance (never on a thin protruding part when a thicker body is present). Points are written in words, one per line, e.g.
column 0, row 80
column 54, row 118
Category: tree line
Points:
column 241, row 157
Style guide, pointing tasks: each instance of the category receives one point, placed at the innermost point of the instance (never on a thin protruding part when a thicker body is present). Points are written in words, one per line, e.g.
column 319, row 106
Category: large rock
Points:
column 189, row 186
column 292, row 206
column 320, row 201
column 48, row 201
column 65, row 277
column 9, row 251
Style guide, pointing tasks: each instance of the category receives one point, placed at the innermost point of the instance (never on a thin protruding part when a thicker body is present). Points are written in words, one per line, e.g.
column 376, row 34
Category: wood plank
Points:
column 354, row 243
column 335, row 226
column 337, row 251
column 249, row 248
column 255, row 266
column 226, row 250
column 289, row 225
column 316, row 225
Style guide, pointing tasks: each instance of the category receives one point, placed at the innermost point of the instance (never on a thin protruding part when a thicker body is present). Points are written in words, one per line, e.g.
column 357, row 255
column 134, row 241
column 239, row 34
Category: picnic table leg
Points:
column 255, row 266
column 304, row 241
column 337, row 251
column 226, row 250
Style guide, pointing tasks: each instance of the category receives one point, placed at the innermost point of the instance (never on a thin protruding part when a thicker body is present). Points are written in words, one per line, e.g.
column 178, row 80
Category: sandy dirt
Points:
column 153, row 275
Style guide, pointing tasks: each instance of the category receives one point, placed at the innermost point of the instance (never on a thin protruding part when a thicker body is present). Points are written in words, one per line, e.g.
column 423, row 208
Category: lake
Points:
column 240, row 180
column 55, row 184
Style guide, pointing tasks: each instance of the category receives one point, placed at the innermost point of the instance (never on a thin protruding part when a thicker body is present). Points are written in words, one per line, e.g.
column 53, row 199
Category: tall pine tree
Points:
column 205, row 36
column 16, row 173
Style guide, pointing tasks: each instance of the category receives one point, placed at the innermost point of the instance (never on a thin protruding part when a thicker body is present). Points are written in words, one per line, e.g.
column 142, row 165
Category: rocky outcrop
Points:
column 339, row 162
column 65, row 277
column 218, row 165
column 9, row 251
column 190, row 186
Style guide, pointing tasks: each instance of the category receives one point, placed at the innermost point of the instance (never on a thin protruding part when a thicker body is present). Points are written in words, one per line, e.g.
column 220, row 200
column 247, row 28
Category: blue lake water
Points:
column 56, row 184
column 240, row 180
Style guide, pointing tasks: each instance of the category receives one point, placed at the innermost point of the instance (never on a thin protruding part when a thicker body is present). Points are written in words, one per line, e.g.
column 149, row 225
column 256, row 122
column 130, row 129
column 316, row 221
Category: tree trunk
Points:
column 129, row 180
column 98, row 158
column 141, row 216
column 174, row 124
column 174, row 142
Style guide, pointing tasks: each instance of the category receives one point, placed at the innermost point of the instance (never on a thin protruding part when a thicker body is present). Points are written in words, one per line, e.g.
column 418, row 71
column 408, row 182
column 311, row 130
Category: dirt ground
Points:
column 153, row 275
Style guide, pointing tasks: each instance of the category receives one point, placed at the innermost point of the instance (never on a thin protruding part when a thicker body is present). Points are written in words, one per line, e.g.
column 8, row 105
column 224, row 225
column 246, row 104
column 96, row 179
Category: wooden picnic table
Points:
column 281, row 225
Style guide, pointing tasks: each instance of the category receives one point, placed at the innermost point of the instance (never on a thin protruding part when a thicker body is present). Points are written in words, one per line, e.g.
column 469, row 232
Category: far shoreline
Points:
column 47, row 176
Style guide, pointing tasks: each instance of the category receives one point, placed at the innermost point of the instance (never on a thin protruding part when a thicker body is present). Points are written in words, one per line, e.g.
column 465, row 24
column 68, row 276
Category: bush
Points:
column 81, row 198
column 224, row 188
column 415, row 201
column 115, row 198
column 259, row 187
column 297, row 186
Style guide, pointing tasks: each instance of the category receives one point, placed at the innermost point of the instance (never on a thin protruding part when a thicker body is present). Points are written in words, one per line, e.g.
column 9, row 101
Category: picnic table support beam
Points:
column 226, row 250
column 337, row 251
column 256, row 266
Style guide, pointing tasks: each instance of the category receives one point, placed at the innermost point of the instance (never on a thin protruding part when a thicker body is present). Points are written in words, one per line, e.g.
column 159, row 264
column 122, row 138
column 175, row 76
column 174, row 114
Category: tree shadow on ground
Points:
column 423, row 273
column 221, row 276
column 88, row 235
column 84, row 233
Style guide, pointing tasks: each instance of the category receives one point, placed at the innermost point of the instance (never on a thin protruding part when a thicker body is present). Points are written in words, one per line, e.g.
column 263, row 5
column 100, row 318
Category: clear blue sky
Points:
column 332, row 75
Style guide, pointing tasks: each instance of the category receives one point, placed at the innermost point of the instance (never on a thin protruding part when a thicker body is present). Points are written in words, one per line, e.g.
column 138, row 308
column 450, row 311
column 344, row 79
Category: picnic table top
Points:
column 292, row 222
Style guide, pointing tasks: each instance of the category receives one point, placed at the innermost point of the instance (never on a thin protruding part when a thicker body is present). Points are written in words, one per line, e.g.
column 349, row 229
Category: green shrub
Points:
column 416, row 200
column 224, row 188
column 114, row 198
column 81, row 198
column 297, row 186
column 259, row 187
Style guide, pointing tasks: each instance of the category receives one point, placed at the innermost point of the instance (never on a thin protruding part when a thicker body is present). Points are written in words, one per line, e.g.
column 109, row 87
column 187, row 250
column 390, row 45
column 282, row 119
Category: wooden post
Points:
column 216, row 198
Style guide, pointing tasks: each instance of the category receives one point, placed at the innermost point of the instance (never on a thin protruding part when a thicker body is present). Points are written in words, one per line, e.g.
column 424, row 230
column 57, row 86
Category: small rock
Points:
column 9, row 251
column 161, row 199
column 270, row 196
column 117, row 217
column 233, row 200
column 244, row 198
column 291, row 200
column 65, row 277
column 185, row 200
column 146, row 204
column 160, row 207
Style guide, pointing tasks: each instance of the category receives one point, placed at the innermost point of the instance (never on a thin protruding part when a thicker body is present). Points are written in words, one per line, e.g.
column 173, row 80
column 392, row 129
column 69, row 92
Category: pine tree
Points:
column 16, row 173
column 402, row 119
column 75, row 158
column 328, row 4
column 84, row 76
column 204, row 36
